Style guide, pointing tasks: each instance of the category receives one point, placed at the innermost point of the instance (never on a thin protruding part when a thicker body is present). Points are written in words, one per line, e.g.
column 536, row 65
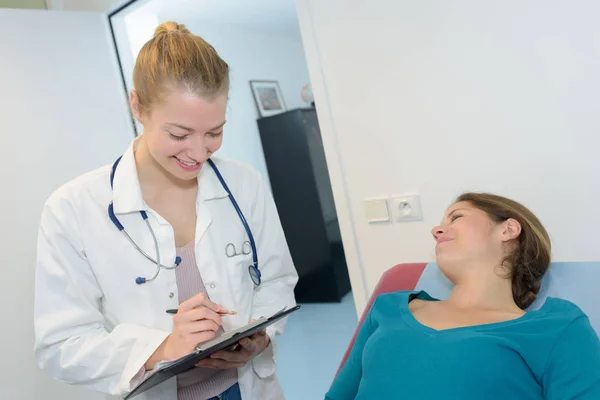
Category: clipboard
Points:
column 166, row 370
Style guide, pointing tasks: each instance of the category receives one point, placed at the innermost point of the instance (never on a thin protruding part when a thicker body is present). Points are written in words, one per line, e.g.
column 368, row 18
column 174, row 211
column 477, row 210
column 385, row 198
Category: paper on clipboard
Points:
column 230, row 334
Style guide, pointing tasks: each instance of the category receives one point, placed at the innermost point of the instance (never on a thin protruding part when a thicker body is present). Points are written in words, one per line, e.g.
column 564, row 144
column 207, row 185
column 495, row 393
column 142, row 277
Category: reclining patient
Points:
column 479, row 343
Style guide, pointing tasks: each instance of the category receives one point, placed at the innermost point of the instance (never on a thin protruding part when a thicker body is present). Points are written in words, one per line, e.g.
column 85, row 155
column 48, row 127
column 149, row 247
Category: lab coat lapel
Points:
column 127, row 192
column 209, row 189
column 204, row 219
column 128, row 199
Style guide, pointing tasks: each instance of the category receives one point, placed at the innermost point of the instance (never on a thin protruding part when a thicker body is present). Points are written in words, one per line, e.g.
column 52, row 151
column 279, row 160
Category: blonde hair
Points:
column 176, row 59
column 531, row 258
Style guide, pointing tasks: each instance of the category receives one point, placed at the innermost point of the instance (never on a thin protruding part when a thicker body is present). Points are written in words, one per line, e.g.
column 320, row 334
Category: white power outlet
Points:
column 406, row 208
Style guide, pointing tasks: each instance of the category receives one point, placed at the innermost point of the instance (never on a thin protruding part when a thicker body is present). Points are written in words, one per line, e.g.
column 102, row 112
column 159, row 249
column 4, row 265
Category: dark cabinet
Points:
column 301, row 187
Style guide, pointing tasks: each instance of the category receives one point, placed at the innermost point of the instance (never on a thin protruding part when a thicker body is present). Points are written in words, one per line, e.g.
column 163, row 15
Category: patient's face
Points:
column 465, row 239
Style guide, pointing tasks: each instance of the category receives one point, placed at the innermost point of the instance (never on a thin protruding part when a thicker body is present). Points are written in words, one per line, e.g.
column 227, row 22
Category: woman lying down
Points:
column 479, row 343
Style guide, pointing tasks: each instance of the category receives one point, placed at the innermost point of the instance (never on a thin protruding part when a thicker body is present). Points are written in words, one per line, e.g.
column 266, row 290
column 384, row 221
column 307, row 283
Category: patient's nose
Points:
column 437, row 231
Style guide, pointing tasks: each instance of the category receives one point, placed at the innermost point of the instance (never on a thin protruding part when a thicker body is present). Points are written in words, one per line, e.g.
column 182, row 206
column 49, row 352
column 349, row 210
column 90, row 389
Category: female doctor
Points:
column 166, row 226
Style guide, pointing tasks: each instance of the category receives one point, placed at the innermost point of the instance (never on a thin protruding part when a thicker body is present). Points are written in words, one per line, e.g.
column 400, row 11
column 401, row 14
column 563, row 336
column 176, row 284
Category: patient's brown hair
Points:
column 531, row 257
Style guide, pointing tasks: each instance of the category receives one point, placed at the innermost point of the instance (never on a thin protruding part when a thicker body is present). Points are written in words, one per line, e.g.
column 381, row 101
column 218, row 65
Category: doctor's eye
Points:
column 455, row 217
column 215, row 134
column 177, row 137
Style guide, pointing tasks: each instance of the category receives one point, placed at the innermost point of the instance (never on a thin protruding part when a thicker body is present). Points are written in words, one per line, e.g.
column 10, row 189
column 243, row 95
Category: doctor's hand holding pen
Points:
column 196, row 321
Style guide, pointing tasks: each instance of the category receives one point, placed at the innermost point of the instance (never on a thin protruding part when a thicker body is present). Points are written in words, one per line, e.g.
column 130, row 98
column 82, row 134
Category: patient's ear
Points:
column 511, row 229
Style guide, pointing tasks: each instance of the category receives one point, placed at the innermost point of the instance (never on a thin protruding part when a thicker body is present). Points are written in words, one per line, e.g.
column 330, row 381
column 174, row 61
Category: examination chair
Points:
column 578, row 282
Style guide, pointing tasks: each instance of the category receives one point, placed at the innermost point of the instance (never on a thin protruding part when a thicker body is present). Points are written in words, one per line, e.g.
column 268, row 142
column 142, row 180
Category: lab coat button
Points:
column 171, row 295
column 212, row 286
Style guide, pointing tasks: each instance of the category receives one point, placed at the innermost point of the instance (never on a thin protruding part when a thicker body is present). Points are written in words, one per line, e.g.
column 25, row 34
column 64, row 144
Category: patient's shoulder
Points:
column 554, row 318
column 563, row 309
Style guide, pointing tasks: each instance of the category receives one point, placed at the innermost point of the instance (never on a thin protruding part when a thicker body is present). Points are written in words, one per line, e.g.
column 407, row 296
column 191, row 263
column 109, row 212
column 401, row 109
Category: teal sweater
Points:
column 552, row 353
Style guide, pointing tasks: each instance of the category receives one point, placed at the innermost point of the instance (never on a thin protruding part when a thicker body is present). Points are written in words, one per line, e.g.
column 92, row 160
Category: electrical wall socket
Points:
column 406, row 208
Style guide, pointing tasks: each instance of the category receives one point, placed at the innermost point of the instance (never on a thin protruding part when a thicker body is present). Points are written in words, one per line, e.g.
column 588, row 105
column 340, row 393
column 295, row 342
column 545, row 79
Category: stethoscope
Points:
column 230, row 250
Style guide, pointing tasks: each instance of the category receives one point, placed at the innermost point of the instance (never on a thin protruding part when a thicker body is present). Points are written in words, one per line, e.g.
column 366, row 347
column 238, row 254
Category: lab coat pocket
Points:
column 239, row 278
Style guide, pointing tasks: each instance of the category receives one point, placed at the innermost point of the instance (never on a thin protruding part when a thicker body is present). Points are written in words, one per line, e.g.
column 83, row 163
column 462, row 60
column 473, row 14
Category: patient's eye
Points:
column 455, row 217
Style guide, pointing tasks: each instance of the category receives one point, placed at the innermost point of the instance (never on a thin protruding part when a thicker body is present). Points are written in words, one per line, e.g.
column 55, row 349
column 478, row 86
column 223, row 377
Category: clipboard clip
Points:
column 277, row 313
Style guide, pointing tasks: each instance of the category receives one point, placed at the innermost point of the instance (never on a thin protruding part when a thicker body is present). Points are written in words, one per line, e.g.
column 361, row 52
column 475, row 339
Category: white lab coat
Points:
column 95, row 327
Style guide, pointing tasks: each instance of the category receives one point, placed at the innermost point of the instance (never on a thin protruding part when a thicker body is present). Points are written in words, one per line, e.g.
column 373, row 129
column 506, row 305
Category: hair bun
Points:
column 170, row 26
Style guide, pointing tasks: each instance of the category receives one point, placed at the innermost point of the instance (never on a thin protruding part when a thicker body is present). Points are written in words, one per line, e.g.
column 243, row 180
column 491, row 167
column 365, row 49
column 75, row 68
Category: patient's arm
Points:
column 345, row 386
column 573, row 370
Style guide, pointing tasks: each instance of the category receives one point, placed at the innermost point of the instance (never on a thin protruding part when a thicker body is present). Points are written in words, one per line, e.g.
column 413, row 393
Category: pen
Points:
column 222, row 313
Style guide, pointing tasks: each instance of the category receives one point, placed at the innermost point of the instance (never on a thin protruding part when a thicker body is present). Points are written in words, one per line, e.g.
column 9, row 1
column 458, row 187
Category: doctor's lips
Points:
column 188, row 166
column 221, row 313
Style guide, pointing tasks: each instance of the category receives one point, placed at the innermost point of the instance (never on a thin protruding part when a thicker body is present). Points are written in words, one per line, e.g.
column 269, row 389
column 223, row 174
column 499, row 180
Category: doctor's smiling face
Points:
column 180, row 97
column 183, row 131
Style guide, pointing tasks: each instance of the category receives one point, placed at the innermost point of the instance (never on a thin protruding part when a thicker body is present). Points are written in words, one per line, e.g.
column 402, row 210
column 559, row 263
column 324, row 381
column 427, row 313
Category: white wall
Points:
column 63, row 113
column 252, row 54
column 437, row 98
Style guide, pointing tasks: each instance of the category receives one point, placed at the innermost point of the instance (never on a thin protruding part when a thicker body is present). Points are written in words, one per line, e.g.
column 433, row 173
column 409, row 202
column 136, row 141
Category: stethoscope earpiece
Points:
column 139, row 280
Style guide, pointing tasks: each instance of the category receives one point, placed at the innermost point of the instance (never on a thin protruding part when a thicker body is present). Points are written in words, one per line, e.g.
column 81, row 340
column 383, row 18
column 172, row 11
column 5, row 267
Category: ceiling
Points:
column 82, row 5
column 271, row 15
column 275, row 16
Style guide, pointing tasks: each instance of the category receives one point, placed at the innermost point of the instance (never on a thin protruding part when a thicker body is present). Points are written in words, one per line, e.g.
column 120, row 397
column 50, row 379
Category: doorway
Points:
column 272, row 125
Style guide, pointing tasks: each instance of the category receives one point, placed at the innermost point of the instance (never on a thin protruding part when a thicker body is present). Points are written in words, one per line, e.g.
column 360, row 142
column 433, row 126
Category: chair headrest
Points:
column 577, row 282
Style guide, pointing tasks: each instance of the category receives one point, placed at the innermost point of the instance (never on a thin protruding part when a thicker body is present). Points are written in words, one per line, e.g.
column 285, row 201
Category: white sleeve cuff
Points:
column 135, row 372
column 264, row 363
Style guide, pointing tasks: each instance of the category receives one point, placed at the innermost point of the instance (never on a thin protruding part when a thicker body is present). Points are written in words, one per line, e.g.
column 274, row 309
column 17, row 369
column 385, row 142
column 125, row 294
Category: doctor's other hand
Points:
column 196, row 321
column 248, row 348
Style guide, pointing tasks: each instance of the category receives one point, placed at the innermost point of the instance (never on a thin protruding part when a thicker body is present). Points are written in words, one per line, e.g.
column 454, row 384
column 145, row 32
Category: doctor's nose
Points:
column 199, row 151
column 201, row 155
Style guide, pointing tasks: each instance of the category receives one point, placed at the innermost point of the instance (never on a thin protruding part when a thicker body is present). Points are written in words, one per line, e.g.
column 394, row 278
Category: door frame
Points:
column 331, row 144
column 335, row 163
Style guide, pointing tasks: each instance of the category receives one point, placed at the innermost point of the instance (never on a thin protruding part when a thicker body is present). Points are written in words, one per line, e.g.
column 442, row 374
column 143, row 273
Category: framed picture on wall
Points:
column 268, row 98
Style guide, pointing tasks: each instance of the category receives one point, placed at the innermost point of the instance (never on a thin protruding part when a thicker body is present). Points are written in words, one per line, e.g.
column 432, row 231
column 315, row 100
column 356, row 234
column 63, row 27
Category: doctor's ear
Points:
column 135, row 106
